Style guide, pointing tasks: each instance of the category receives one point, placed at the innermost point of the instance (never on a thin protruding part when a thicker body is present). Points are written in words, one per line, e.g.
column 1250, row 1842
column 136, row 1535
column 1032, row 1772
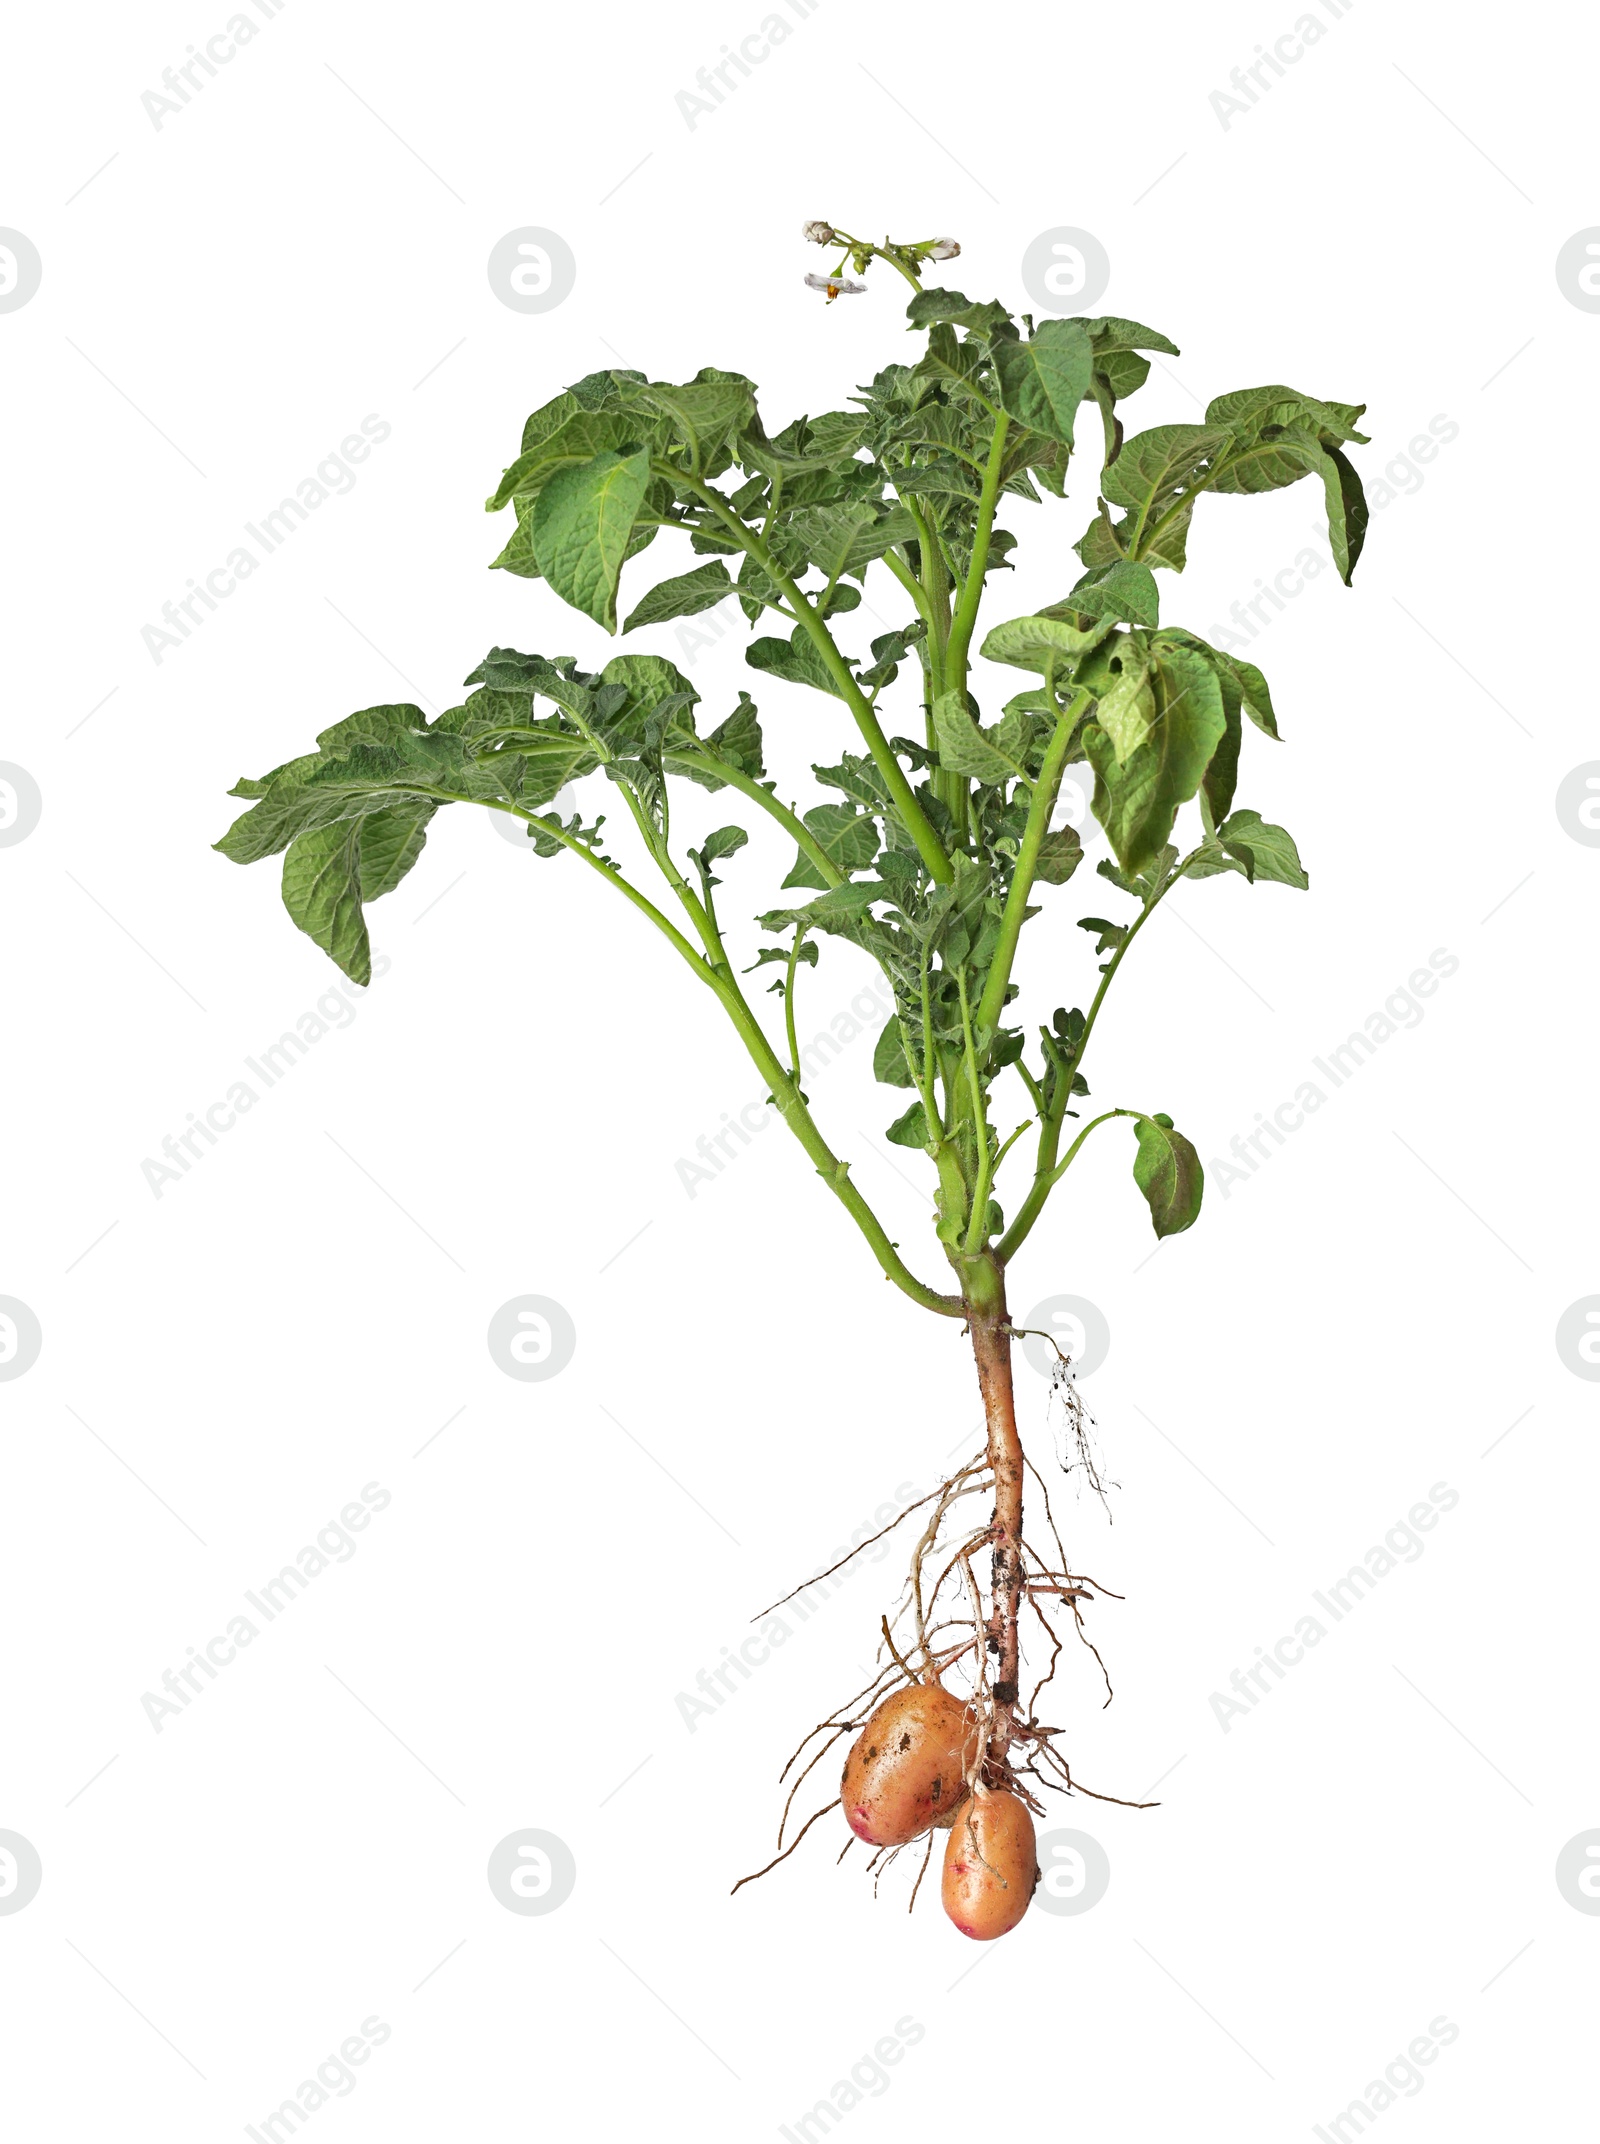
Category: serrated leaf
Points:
column 682, row 596
column 1043, row 380
column 582, row 525
column 1167, row 1170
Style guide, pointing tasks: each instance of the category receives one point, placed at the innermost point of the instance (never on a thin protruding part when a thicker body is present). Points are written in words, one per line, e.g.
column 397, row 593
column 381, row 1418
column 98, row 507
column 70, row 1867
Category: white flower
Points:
column 837, row 286
column 944, row 249
column 817, row 234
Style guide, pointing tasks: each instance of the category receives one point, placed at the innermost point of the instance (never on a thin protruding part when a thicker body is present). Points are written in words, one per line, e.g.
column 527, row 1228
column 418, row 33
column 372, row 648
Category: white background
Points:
column 1364, row 1317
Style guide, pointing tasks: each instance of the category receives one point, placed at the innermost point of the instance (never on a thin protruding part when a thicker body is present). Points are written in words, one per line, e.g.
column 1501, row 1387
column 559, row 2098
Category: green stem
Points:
column 913, row 588
column 992, row 1004
column 979, row 1212
column 894, row 775
column 834, row 1172
column 937, row 583
column 785, row 1091
column 1071, row 1155
column 788, row 1003
column 966, row 616
column 1050, row 1128
column 608, row 872
column 790, row 821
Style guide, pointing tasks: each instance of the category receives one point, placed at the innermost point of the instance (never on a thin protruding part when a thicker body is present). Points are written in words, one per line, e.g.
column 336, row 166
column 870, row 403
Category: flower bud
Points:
column 817, row 234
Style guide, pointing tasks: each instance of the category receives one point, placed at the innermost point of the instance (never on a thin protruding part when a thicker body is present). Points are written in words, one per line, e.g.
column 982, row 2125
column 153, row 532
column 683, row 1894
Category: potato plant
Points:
column 931, row 845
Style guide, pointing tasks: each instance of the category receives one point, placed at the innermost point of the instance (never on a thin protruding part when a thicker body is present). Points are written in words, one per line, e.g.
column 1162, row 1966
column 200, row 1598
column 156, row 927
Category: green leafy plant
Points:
column 928, row 852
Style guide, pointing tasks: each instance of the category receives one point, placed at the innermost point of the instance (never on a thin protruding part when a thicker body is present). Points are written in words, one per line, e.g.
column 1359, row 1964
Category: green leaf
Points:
column 648, row 684
column 1249, row 409
column 889, row 1057
column 702, row 412
column 1060, row 854
column 795, row 659
column 682, row 596
column 1112, row 334
column 724, row 842
column 1127, row 711
column 1107, row 936
column 738, row 739
column 929, row 307
column 1266, row 852
column 963, row 747
column 1043, row 380
column 841, row 908
column 1154, row 470
column 846, row 538
column 1041, row 643
column 1167, row 1170
column 368, row 762
column 849, row 838
column 322, row 892
column 581, row 528
column 391, row 842
column 330, row 871
column 1137, row 800
column 909, row 1130
column 1124, row 591
column 582, row 436
column 1280, row 458
column 1253, row 689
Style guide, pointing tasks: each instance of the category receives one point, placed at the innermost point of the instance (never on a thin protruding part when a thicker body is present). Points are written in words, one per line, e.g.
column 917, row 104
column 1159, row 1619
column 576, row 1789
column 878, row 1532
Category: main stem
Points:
column 990, row 1327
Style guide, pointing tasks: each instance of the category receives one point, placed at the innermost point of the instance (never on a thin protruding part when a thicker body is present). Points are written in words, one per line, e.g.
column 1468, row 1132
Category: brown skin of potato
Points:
column 988, row 1901
column 905, row 1771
